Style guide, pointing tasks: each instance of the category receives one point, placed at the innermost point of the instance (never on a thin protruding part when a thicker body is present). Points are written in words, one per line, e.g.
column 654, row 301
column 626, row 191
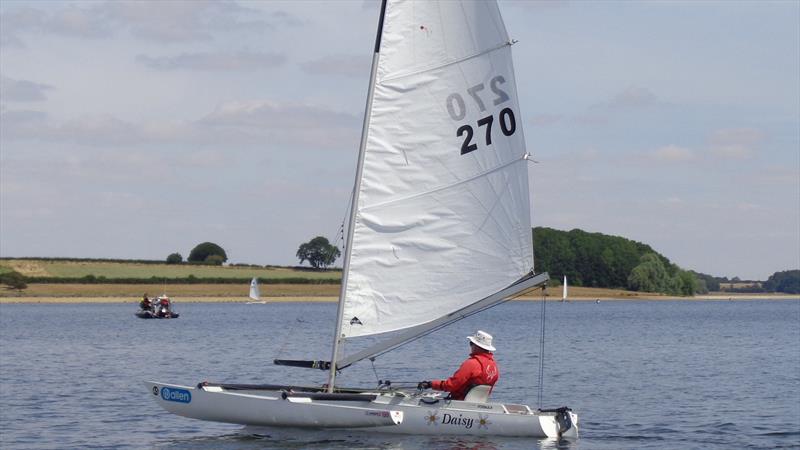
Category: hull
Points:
column 384, row 412
column 150, row 315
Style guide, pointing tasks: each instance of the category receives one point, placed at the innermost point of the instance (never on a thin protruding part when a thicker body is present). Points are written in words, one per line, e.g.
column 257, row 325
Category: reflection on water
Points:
column 654, row 375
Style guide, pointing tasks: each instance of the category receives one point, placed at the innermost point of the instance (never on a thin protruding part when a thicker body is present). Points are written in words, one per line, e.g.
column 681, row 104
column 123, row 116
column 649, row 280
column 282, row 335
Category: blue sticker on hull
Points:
column 176, row 395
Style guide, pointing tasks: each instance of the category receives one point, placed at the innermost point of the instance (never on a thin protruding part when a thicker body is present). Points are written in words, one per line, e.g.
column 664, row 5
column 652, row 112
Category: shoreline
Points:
column 328, row 299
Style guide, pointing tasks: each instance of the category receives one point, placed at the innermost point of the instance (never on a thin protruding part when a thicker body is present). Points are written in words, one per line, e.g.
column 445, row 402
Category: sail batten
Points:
column 441, row 188
column 390, row 78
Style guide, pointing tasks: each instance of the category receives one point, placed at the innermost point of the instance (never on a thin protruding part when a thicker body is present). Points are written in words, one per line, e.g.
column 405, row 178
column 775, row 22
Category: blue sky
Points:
column 128, row 131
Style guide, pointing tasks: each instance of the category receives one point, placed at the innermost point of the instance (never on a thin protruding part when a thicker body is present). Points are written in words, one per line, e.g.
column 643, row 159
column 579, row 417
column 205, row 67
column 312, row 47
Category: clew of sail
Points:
column 442, row 218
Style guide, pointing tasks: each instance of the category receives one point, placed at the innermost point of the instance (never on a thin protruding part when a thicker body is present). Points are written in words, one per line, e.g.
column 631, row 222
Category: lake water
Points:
column 645, row 375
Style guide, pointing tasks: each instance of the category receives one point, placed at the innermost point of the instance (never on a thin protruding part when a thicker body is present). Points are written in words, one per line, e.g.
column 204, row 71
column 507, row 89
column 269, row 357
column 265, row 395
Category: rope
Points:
column 377, row 378
column 541, row 351
column 290, row 333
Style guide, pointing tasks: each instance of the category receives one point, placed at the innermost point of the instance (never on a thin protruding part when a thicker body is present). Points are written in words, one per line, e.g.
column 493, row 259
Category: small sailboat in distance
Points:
column 255, row 293
column 564, row 290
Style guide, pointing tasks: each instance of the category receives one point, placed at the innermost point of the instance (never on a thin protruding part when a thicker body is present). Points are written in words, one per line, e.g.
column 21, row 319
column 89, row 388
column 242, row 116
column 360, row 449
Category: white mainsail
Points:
column 442, row 217
column 564, row 290
column 255, row 293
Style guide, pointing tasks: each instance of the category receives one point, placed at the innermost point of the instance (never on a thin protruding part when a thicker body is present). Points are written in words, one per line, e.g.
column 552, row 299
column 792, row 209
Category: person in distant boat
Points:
column 479, row 369
column 145, row 303
column 164, row 307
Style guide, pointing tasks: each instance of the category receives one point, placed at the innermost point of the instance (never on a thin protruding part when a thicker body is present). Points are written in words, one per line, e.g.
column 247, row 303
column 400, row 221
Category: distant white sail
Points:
column 442, row 218
column 255, row 293
column 564, row 290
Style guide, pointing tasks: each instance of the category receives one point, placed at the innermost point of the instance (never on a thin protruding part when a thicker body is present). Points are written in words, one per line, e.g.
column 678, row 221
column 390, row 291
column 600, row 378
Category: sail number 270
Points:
column 457, row 109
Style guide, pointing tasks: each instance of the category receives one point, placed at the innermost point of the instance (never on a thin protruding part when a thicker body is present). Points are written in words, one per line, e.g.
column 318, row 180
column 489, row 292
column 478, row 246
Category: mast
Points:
column 354, row 204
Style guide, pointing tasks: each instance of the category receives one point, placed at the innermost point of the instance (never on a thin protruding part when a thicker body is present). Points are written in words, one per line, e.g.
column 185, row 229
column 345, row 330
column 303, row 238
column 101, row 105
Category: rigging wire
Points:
column 541, row 350
column 377, row 378
column 340, row 236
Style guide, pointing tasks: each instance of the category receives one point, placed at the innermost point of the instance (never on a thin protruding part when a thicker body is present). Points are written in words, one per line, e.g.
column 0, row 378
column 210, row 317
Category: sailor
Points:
column 479, row 368
column 164, row 308
column 145, row 303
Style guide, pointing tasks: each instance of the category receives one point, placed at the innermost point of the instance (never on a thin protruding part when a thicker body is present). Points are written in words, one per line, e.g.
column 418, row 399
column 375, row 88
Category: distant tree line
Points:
column 600, row 260
column 787, row 281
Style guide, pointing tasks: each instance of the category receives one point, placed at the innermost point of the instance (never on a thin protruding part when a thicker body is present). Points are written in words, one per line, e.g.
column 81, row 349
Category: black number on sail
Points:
column 488, row 122
column 511, row 127
column 467, row 146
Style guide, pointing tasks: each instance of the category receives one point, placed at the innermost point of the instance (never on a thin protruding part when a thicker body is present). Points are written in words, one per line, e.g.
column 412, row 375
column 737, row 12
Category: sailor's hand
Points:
column 424, row 385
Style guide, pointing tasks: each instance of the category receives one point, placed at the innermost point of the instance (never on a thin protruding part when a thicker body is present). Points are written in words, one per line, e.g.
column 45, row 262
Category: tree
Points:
column 318, row 252
column 14, row 280
column 174, row 258
column 787, row 281
column 649, row 276
column 203, row 251
column 214, row 260
column 687, row 283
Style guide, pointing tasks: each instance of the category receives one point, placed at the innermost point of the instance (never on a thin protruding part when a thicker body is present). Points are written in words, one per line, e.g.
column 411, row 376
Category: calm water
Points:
column 645, row 375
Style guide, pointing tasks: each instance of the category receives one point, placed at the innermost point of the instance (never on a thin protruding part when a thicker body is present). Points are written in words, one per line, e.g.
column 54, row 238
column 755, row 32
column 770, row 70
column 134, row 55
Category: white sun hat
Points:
column 483, row 340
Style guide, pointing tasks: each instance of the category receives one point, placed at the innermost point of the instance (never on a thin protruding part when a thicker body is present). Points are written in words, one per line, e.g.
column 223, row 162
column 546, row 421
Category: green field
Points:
column 77, row 269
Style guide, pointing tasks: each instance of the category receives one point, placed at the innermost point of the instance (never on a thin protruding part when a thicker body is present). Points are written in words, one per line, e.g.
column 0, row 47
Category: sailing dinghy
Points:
column 255, row 293
column 439, row 230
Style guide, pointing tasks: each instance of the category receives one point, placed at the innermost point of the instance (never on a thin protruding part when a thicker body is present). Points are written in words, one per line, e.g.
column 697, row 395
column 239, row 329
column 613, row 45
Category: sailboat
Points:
column 255, row 293
column 564, row 290
column 439, row 230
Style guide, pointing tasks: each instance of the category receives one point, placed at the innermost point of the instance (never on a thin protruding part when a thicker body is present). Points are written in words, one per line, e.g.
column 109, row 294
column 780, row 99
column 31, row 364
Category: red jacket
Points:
column 479, row 368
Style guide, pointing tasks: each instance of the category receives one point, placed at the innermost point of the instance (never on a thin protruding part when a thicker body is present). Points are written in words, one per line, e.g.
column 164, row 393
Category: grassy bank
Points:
column 78, row 269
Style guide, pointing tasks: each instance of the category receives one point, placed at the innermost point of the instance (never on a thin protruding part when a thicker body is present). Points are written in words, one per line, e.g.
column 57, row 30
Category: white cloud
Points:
column 175, row 21
column 12, row 90
column 345, row 65
column 748, row 207
column 735, row 143
column 672, row 153
column 633, row 97
column 544, row 120
column 78, row 22
column 278, row 116
column 15, row 22
column 235, row 123
column 225, row 61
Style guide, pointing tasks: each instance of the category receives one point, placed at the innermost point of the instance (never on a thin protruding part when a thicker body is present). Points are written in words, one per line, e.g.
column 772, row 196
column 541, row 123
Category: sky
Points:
column 130, row 130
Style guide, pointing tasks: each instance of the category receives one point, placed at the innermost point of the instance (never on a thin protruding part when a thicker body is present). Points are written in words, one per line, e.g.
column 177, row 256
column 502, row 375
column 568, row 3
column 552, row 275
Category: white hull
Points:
column 385, row 412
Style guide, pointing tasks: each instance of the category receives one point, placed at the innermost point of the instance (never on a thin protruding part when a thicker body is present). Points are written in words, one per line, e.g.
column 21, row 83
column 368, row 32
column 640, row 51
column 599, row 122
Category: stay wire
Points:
column 541, row 349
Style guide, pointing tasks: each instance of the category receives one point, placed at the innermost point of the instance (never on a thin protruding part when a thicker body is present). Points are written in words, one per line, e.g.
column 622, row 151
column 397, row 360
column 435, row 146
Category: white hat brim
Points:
column 489, row 348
